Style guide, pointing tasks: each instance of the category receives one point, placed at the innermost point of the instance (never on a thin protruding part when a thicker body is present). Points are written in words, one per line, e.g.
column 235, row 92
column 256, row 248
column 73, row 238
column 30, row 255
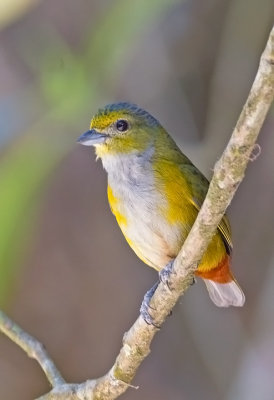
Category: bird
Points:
column 155, row 192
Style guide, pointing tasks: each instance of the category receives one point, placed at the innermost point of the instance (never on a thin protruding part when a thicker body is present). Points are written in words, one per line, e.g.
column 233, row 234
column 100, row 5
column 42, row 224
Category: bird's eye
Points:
column 122, row 125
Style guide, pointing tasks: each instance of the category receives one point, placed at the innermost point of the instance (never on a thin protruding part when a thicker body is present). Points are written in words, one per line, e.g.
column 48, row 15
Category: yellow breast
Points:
column 114, row 206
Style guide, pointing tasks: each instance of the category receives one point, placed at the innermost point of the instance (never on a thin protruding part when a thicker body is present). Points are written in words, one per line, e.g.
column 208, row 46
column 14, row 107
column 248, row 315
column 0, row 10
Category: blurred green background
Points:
column 66, row 273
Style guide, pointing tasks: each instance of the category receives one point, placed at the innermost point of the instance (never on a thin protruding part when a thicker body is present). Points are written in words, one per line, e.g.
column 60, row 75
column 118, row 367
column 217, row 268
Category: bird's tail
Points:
column 225, row 294
column 222, row 287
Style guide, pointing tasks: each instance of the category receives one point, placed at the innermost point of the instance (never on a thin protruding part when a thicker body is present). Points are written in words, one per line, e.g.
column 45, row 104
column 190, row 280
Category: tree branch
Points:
column 32, row 347
column 228, row 173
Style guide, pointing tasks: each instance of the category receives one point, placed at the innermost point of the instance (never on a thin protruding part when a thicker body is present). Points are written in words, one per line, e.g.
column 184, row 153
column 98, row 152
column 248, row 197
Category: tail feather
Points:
column 225, row 294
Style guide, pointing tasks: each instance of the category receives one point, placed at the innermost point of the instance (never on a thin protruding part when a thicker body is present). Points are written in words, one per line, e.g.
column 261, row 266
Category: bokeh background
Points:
column 67, row 275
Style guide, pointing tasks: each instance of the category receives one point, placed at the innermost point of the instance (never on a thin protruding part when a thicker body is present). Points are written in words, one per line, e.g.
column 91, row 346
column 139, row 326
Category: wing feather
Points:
column 199, row 185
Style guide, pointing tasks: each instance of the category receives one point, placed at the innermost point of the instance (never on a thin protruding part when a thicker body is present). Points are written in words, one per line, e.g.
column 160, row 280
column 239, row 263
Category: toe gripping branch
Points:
column 145, row 306
column 164, row 275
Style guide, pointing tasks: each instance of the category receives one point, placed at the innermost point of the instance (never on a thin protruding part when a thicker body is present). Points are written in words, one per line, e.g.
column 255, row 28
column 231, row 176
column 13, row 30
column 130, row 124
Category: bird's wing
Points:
column 199, row 186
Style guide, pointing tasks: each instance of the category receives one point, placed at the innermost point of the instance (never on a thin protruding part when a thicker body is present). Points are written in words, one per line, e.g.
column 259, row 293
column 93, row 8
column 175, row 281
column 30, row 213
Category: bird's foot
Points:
column 164, row 274
column 145, row 306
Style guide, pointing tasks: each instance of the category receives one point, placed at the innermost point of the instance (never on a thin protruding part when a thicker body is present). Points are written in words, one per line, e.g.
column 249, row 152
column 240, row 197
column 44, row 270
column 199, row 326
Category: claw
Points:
column 164, row 274
column 145, row 306
column 193, row 281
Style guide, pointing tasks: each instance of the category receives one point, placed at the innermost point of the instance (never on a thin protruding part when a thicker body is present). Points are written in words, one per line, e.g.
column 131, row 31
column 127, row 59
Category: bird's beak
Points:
column 92, row 137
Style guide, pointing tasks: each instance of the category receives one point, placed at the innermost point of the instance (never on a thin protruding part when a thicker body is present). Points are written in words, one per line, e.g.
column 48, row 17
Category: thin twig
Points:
column 32, row 347
column 228, row 173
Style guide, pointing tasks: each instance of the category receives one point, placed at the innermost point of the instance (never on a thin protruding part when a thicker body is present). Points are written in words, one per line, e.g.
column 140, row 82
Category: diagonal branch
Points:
column 228, row 173
column 32, row 347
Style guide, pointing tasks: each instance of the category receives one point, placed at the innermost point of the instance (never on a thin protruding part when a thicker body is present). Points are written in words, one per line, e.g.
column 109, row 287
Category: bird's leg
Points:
column 164, row 274
column 145, row 306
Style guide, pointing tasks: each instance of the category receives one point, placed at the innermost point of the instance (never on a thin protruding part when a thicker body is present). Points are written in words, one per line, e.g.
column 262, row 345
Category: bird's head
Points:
column 121, row 128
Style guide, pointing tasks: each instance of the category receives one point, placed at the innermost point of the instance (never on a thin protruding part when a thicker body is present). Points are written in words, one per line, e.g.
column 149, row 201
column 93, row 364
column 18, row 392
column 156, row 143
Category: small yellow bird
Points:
column 155, row 193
